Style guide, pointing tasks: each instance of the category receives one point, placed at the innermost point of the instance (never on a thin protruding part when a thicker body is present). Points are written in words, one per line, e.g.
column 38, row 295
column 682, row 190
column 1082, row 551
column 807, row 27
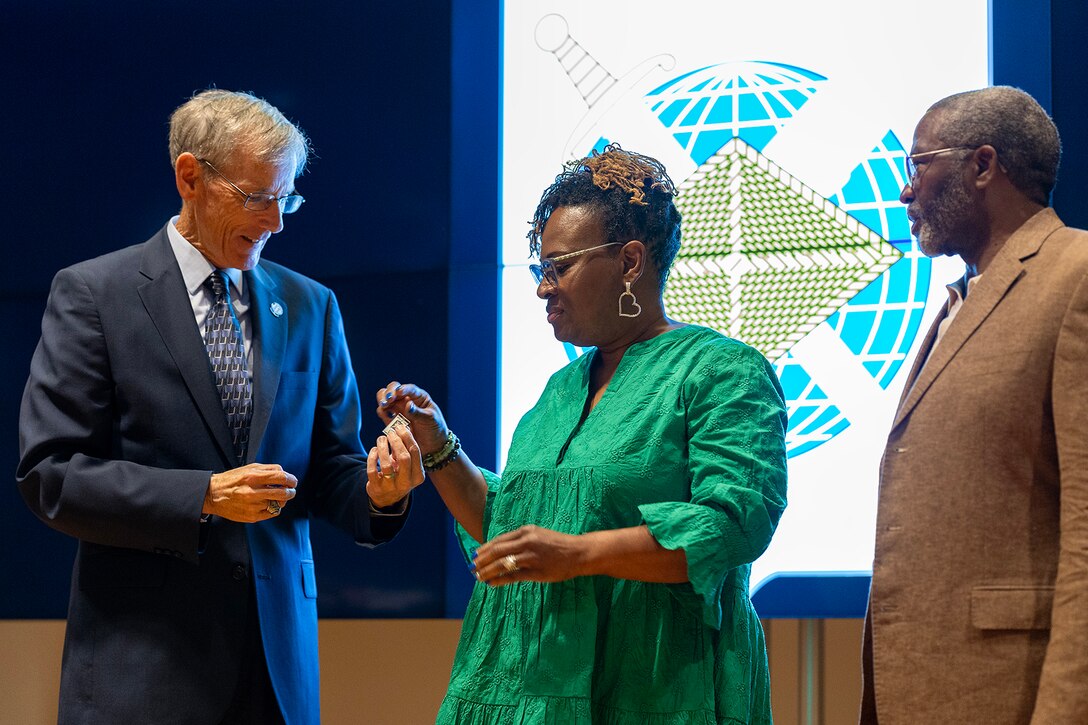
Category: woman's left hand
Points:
column 531, row 553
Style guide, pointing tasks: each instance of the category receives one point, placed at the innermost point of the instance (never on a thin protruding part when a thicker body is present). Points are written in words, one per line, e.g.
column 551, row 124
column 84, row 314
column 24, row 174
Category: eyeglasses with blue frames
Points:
column 911, row 165
column 545, row 271
column 289, row 204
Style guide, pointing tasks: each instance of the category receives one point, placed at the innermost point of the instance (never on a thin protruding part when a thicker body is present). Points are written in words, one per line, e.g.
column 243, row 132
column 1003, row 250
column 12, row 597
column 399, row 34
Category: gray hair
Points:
column 213, row 124
column 1014, row 123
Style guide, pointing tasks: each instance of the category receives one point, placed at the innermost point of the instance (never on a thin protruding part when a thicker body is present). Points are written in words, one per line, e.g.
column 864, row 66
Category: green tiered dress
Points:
column 688, row 439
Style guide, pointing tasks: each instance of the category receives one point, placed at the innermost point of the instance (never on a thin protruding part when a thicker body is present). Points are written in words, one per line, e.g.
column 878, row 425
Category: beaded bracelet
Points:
column 445, row 456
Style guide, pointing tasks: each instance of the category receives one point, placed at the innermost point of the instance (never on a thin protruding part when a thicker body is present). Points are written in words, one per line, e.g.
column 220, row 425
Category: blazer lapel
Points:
column 1002, row 274
column 268, row 313
column 923, row 354
column 167, row 303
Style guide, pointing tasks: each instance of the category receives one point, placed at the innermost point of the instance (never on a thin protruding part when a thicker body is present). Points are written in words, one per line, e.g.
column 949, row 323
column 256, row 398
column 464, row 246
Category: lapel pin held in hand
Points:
column 398, row 419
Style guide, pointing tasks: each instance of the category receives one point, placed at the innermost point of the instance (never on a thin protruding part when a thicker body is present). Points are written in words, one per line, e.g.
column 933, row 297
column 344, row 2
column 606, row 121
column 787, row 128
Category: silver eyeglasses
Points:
column 545, row 271
column 289, row 204
column 911, row 166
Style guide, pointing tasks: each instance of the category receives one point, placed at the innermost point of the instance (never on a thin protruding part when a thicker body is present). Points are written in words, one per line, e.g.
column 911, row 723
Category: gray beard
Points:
column 944, row 220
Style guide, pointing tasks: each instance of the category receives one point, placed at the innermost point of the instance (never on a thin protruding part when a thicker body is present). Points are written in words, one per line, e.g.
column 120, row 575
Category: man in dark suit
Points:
column 189, row 407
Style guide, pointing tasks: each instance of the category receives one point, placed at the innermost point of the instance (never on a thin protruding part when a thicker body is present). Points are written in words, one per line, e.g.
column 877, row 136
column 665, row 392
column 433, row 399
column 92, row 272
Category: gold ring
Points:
column 509, row 563
column 274, row 508
column 389, row 474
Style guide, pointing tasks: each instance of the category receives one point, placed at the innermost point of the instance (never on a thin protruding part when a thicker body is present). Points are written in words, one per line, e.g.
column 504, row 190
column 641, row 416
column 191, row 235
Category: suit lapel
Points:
column 923, row 354
column 167, row 303
column 995, row 283
column 268, row 313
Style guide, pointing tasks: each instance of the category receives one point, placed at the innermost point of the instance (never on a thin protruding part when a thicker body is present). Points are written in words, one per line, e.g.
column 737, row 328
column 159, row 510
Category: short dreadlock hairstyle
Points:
column 632, row 194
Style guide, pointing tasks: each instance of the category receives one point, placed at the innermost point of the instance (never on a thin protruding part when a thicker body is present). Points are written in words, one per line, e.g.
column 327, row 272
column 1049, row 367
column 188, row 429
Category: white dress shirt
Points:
column 195, row 270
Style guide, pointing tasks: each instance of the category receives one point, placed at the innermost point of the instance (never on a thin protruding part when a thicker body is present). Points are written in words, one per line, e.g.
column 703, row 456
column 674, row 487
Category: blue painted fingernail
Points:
column 474, row 555
column 388, row 395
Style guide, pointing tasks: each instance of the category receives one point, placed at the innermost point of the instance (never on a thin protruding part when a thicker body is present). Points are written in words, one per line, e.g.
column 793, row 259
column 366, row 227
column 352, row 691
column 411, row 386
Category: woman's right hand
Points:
column 414, row 403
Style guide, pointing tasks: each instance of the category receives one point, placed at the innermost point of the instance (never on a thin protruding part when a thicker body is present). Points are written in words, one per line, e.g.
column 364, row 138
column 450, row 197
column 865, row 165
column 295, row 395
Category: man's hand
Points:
column 393, row 468
column 251, row 493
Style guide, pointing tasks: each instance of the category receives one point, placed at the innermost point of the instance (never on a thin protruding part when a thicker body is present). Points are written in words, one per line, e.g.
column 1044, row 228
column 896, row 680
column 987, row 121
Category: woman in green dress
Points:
column 613, row 553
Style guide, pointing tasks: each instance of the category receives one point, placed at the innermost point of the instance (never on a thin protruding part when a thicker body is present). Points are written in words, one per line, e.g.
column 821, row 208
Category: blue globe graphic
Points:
column 881, row 322
column 703, row 109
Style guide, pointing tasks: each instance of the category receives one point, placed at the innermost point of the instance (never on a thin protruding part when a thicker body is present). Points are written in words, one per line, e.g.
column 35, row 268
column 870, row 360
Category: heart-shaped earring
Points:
column 634, row 309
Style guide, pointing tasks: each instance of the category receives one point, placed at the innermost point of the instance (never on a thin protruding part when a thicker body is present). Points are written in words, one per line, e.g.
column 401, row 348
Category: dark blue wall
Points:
column 1038, row 45
column 1069, row 84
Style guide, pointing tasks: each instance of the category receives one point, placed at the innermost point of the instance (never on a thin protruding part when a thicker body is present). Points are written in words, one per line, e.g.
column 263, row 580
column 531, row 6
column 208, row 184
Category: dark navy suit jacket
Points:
column 121, row 427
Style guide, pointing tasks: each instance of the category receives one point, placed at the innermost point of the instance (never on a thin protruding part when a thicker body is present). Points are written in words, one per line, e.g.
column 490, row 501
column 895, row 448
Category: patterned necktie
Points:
column 227, row 354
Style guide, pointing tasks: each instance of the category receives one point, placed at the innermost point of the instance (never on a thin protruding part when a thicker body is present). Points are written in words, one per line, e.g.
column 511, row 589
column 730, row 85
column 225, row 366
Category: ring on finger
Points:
column 509, row 563
column 274, row 507
column 388, row 473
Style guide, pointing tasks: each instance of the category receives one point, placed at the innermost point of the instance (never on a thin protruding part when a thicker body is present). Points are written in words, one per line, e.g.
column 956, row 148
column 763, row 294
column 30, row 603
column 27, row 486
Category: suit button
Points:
column 238, row 572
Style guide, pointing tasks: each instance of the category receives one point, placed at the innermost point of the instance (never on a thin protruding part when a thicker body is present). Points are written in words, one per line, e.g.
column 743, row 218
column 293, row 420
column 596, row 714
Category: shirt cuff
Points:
column 396, row 509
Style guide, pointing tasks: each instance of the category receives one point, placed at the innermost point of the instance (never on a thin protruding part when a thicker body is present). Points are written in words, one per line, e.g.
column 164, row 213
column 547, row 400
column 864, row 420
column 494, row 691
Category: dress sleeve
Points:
column 465, row 539
column 735, row 430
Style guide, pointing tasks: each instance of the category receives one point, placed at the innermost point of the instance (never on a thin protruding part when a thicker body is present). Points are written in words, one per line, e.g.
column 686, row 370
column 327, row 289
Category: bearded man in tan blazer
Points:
column 978, row 611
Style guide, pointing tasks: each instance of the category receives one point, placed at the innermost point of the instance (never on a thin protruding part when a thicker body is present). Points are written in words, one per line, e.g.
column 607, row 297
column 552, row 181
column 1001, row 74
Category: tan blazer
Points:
column 978, row 611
